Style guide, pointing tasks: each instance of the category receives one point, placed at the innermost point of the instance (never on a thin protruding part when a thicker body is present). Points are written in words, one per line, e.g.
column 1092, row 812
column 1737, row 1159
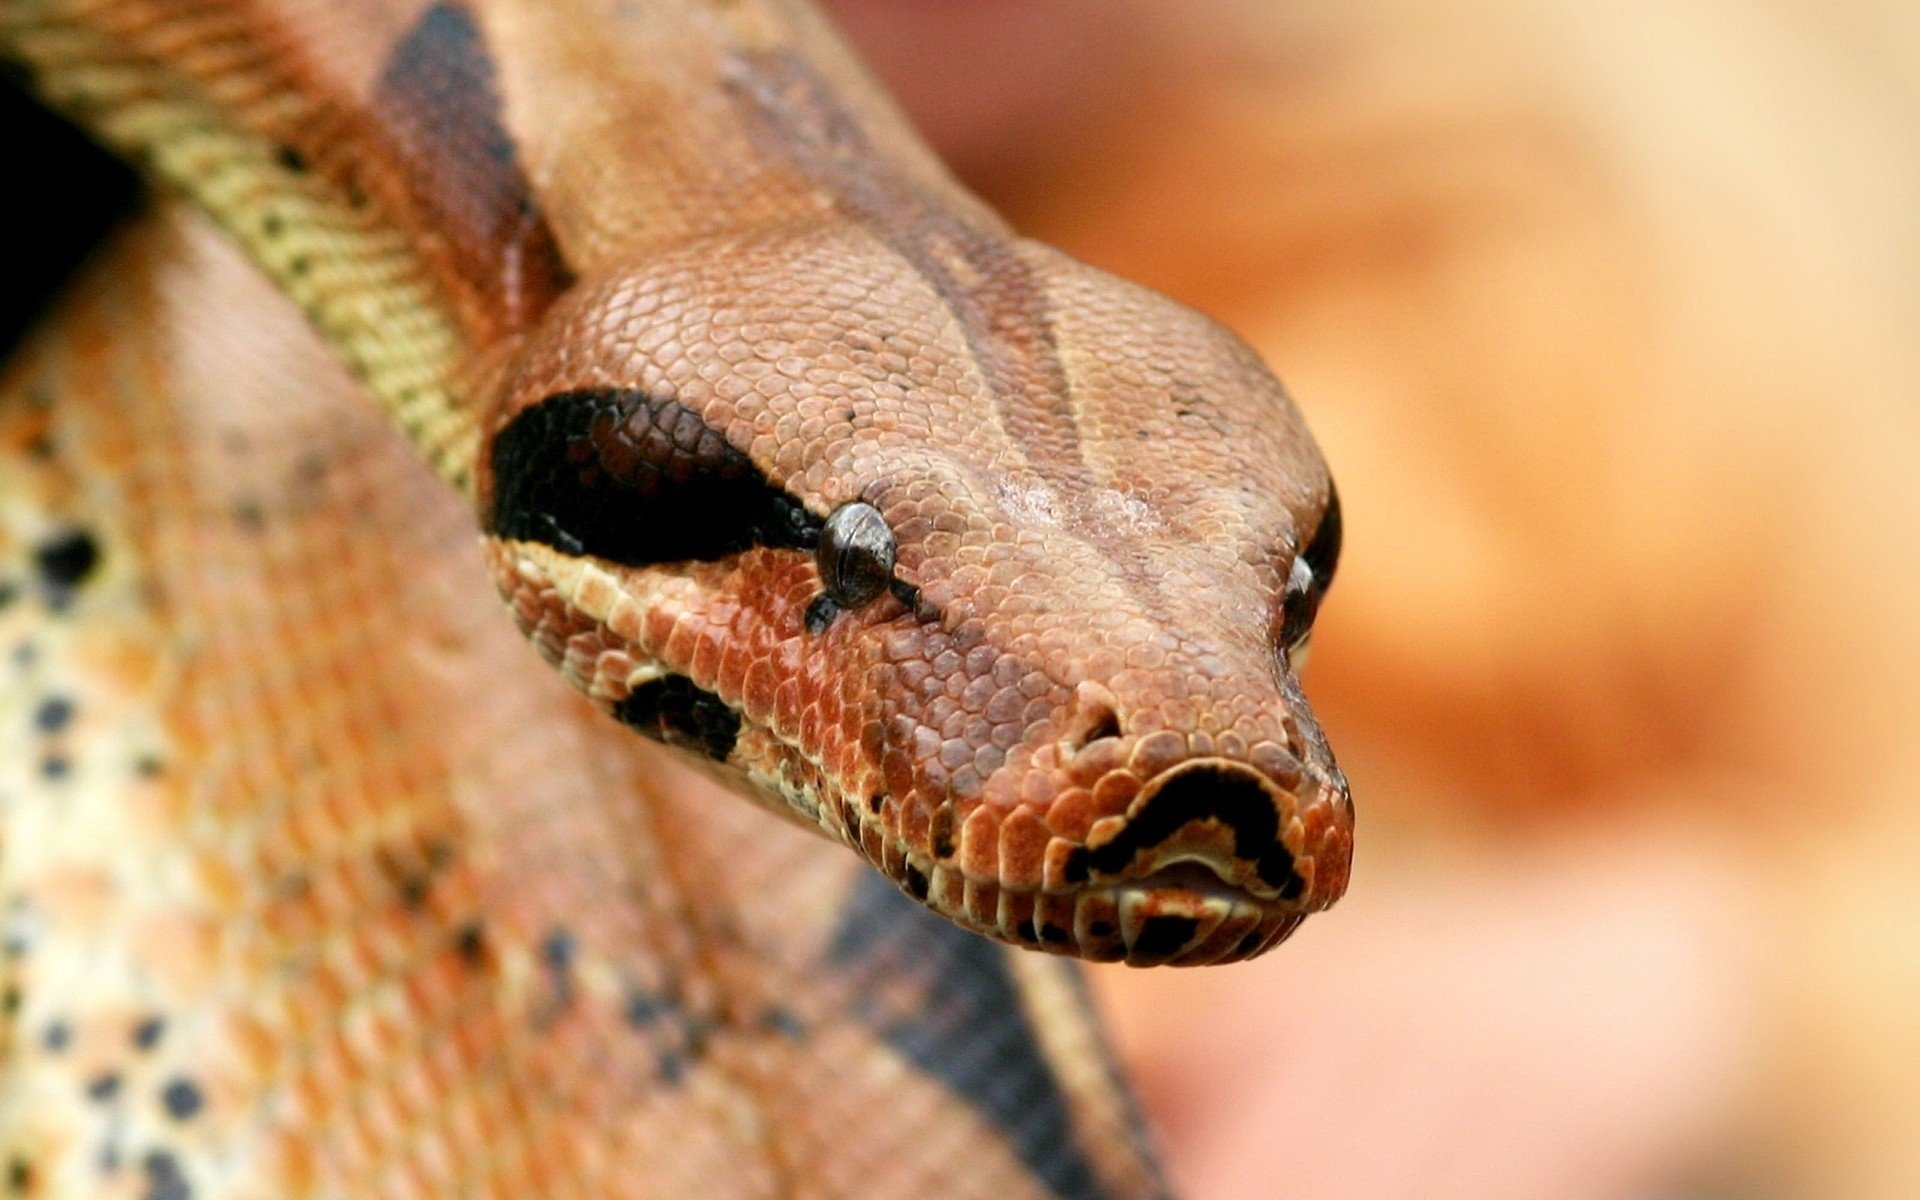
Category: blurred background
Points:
column 1608, row 319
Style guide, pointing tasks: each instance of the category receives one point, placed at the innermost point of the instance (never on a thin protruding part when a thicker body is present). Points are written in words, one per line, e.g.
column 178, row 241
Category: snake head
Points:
column 989, row 565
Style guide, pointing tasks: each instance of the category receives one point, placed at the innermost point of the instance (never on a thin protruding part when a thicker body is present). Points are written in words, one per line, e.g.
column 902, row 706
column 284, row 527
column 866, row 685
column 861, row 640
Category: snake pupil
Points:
column 855, row 555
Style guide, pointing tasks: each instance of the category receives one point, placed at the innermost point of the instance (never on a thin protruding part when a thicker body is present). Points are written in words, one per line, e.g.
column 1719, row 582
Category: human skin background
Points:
column 1603, row 316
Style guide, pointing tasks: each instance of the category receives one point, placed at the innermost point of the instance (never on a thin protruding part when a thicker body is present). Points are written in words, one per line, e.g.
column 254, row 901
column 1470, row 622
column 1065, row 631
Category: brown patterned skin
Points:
column 1071, row 723
column 315, row 884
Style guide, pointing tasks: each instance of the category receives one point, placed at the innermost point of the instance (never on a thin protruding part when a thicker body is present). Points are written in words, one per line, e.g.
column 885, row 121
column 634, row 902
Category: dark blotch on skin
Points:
column 164, row 1180
column 638, row 481
column 182, row 1099
column 557, row 950
column 1161, row 937
column 53, row 715
column 19, row 1175
column 672, row 709
column 673, row 1068
column 968, row 1029
column 66, row 559
column 915, row 880
column 785, row 1022
column 940, row 833
column 438, row 98
column 820, row 614
column 643, row 1008
column 146, row 1035
column 104, row 1087
column 471, row 944
column 56, row 1037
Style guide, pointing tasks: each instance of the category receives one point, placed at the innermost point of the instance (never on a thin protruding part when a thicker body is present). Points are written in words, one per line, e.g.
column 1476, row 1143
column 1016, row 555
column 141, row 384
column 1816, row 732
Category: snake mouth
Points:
column 1205, row 866
column 1209, row 815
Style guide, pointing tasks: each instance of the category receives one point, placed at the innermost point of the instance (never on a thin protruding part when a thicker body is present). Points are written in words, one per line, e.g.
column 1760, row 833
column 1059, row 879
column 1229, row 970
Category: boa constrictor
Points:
column 787, row 453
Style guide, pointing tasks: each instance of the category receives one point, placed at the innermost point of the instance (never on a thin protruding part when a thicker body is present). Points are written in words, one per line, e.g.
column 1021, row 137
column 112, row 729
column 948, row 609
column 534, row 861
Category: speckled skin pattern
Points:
column 1070, row 722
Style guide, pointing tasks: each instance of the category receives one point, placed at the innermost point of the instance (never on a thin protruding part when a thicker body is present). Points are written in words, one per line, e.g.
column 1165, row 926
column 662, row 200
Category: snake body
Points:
column 788, row 454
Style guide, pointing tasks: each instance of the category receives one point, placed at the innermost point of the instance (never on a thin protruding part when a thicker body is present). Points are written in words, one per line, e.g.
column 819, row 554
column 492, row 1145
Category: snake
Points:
column 788, row 454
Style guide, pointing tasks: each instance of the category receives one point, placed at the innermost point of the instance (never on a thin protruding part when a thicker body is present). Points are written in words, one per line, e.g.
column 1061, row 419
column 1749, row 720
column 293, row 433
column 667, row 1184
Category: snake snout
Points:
column 1207, row 816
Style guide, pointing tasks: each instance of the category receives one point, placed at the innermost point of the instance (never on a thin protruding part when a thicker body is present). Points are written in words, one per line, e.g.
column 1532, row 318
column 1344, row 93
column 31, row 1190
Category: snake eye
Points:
column 855, row 555
column 1310, row 576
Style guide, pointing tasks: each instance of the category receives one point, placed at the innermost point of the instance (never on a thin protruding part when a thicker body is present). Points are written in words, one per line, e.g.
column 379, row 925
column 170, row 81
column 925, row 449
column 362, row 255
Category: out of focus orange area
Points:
column 1608, row 320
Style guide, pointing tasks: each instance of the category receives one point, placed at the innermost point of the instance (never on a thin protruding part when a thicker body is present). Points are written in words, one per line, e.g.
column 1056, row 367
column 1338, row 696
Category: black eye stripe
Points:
column 674, row 710
column 622, row 476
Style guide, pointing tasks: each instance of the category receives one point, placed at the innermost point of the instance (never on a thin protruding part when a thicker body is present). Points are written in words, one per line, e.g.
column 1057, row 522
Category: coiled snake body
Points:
column 788, row 454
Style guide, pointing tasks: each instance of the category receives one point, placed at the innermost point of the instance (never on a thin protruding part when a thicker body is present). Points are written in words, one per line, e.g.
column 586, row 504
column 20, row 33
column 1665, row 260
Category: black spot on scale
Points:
column 675, row 710
column 53, row 714
column 619, row 475
column 66, row 559
column 19, row 1176
column 970, row 1032
column 104, row 1087
column 915, row 880
column 644, row 1008
column 558, row 951
column 785, row 1022
column 146, row 1035
column 164, row 1179
column 1162, row 937
column 182, row 1099
column 470, row 943
column 820, row 614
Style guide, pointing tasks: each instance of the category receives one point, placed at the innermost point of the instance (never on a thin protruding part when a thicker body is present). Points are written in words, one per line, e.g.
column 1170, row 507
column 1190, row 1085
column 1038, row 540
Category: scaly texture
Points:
column 790, row 455
column 315, row 884
column 681, row 265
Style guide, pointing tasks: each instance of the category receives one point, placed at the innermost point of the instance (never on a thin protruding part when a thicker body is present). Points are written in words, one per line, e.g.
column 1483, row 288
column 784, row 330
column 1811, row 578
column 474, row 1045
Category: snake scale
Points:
column 787, row 453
